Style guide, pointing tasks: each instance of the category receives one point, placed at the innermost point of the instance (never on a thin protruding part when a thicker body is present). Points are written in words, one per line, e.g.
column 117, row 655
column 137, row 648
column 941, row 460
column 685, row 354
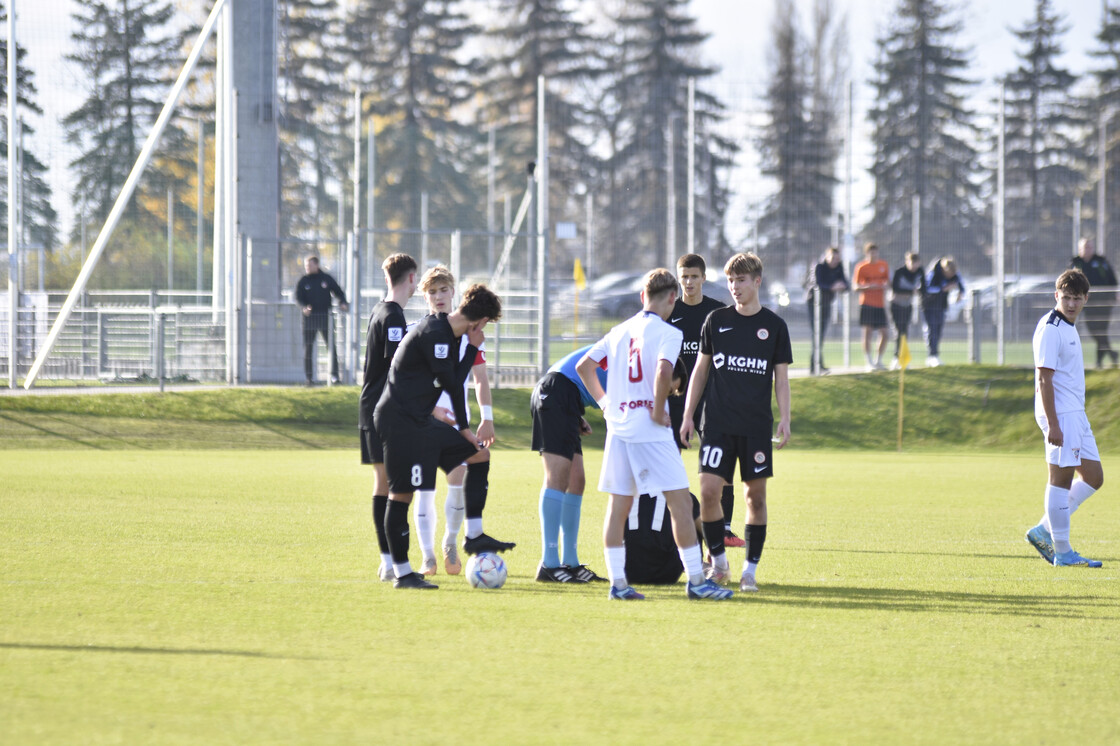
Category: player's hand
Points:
column 344, row 307
column 444, row 415
column 584, row 426
column 486, row 433
column 470, row 437
column 661, row 418
column 1054, row 435
column 782, row 436
column 307, row 310
column 475, row 335
column 687, row 429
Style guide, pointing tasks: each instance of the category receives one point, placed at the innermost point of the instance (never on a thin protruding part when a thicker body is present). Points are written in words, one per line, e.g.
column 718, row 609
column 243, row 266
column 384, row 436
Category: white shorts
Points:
column 1078, row 441
column 641, row 468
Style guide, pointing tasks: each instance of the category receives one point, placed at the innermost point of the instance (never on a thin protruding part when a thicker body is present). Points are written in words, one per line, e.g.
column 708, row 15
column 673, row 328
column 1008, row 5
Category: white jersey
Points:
column 1057, row 346
column 642, row 341
column 444, row 398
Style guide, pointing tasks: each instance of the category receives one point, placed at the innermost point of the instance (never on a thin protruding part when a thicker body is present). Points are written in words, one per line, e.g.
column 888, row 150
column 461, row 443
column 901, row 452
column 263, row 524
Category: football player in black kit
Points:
column 384, row 334
column 744, row 355
column 688, row 316
column 416, row 443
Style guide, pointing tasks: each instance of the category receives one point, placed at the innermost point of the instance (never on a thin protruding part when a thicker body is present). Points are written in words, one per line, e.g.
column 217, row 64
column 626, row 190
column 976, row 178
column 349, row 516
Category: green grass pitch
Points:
column 209, row 597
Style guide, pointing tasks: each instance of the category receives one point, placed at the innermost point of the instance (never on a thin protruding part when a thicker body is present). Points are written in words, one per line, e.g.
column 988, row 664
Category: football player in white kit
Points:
column 640, row 455
column 438, row 286
column 1059, row 408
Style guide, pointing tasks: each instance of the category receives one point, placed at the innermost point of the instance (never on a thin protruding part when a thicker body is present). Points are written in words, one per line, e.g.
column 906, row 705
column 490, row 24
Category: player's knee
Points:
column 482, row 456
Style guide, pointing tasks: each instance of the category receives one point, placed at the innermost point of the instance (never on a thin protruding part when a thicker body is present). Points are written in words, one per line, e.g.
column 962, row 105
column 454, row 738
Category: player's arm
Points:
column 781, row 393
column 482, row 395
column 696, row 384
column 1054, row 434
column 662, row 383
column 586, row 368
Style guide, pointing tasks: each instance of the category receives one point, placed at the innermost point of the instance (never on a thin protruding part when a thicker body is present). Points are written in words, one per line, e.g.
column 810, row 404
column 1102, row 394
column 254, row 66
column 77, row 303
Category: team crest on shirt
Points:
column 324, row 284
column 717, row 360
column 759, row 457
column 395, row 333
column 763, row 333
column 441, row 352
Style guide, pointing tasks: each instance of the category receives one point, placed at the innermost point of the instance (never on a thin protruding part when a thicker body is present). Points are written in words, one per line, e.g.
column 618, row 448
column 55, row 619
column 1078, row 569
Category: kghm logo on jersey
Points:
column 739, row 363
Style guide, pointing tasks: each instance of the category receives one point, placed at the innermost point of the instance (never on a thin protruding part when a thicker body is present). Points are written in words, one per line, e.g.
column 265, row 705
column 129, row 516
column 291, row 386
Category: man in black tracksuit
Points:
column 313, row 294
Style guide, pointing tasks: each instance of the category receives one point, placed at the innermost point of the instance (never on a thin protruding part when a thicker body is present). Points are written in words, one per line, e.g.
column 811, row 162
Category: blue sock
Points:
column 551, row 505
column 569, row 522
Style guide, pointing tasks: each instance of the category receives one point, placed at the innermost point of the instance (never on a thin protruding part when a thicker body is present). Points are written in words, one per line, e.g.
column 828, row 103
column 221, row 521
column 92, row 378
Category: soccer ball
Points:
column 486, row 570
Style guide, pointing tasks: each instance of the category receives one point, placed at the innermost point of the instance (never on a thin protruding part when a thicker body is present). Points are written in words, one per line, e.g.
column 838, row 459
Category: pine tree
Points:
column 39, row 217
column 645, row 106
column 1107, row 105
column 798, row 145
column 1044, row 162
column 312, row 106
column 923, row 134
column 409, row 52
column 122, row 49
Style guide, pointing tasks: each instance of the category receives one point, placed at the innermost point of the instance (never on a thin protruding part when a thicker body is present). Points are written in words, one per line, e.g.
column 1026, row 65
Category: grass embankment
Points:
column 981, row 406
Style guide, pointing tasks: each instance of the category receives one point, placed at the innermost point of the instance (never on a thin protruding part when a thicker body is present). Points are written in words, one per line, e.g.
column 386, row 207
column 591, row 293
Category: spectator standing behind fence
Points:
column 828, row 279
column 943, row 278
column 908, row 280
column 1097, row 316
column 872, row 277
column 313, row 294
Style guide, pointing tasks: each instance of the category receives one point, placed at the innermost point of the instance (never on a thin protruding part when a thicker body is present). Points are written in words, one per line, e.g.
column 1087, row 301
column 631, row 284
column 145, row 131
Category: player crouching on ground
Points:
column 744, row 355
column 415, row 442
column 640, row 455
column 1059, row 409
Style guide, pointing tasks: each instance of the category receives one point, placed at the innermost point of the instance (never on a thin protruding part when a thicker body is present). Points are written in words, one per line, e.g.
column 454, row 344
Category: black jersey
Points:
column 384, row 334
column 690, row 319
column 426, row 364
column 744, row 351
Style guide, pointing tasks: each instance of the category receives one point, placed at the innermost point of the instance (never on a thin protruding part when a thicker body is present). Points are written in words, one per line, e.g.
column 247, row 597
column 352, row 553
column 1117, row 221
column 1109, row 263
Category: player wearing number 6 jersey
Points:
column 744, row 355
column 640, row 455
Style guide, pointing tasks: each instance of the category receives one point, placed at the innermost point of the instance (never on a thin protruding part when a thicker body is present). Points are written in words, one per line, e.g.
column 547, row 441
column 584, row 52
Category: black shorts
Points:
column 556, row 407
column 414, row 450
column 651, row 553
column 371, row 446
column 873, row 316
column 719, row 452
column 676, row 416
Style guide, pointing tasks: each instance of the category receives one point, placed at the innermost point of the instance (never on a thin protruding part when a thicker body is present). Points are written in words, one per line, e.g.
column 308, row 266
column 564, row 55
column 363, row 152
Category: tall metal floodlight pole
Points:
column 13, row 288
column 1000, row 249
column 691, row 200
column 670, row 193
column 200, row 196
column 542, row 225
column 1102, row 170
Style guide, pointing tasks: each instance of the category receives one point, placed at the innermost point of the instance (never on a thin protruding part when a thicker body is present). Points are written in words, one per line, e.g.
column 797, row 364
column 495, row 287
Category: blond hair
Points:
column 658, row 282
column 744, row 263
column 437, row 275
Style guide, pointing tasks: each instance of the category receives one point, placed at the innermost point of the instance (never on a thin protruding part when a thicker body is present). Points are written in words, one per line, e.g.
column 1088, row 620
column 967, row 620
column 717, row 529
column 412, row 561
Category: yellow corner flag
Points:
column 903, row 351
column 578, row 276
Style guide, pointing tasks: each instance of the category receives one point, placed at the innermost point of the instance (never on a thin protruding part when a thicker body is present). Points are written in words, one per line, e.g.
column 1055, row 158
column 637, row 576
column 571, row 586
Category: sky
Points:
column 740, row 34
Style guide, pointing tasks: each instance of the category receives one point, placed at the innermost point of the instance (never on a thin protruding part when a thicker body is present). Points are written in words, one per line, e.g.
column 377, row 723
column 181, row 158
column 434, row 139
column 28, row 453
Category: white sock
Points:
column 693, row 563
column 750, row 568
column 402, row 569
column 719, row 561
column 616, row 565
column 1078, row 494
column 387, row 560
column 1057, row 508
column 425, row 513
column 474, row 528
column 453, row 512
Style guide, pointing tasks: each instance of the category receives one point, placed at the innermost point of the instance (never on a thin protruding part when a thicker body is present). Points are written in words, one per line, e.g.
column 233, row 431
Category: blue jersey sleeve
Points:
column 567, row 366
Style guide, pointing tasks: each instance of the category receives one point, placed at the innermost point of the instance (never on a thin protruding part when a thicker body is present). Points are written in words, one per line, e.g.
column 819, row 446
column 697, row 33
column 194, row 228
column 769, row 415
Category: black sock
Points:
column 396, row 530
column 379, row 504
column 713, row 535
column 756, row 537
column 474, row 488
column 727, row 499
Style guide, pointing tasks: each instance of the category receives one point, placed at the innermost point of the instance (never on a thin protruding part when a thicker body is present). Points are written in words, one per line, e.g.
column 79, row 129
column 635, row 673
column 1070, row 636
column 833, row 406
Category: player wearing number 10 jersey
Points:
column 744, row 356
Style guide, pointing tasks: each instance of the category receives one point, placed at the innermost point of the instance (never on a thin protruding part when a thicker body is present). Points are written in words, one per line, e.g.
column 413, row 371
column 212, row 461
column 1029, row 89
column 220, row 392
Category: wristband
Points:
column 487, row 412
column 603, row 402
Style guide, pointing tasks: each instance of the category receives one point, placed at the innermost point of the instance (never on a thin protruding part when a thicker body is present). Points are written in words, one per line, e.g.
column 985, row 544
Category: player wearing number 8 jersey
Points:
column 744, row 360
column 640, row 455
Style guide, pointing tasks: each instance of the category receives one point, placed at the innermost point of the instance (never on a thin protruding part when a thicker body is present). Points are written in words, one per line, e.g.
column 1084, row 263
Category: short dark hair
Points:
column 480, row 302
column 1072, row 281
column 692, row 261
column 397, row 267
